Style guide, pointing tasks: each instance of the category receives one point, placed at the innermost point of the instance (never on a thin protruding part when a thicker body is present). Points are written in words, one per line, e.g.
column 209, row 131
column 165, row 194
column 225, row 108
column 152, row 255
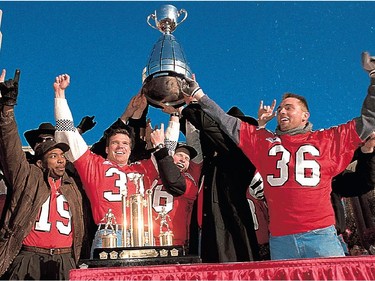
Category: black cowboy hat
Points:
column 236, row 112
column 31, row 136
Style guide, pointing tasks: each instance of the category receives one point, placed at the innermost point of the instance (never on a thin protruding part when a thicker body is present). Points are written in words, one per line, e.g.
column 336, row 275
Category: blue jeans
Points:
column 322, row 242
column 97, row 242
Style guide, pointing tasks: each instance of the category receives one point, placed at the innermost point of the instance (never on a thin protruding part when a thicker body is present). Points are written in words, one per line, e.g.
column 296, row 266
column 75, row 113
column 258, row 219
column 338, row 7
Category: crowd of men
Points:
column 234, row 191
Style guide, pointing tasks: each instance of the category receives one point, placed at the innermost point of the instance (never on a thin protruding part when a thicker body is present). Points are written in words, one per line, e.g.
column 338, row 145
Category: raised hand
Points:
column 61, row 83
column 157, row 135
column 189, row 87
column 169, row 109
column 266, row 113
column 135, row 108
column 9, row 89
column 86, row 124
column 2, row 76
column 369, row 145
column 368, row 63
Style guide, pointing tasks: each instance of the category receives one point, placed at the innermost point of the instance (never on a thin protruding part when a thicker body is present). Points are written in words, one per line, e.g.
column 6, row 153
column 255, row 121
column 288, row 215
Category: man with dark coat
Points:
column 228, row 233
column 42, row 233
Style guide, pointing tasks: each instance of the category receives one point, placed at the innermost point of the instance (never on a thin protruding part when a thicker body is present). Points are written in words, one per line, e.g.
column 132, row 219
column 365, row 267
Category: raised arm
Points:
column 170, row 175
column 365, row 124
column 134, row 118
column 12, row 157
column 65, row 130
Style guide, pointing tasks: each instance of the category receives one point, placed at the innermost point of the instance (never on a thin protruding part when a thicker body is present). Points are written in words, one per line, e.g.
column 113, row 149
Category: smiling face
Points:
column 182, row 160
column 291, row 114
column 118, row 149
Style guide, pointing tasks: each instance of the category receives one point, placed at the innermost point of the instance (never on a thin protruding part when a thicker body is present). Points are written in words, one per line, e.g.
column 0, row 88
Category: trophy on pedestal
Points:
column 139, row 232
column 166, row 234
column 109, row 236
column 167, row 60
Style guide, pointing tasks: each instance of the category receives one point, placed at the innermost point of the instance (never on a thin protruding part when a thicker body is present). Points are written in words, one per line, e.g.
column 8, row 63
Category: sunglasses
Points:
column 44, row 139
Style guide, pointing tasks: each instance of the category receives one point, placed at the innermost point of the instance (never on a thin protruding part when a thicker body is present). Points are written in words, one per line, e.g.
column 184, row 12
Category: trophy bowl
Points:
column 167, row 63
column 164, row 90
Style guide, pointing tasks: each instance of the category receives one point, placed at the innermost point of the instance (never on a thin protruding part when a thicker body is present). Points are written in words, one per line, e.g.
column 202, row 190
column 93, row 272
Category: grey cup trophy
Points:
column 167, row 62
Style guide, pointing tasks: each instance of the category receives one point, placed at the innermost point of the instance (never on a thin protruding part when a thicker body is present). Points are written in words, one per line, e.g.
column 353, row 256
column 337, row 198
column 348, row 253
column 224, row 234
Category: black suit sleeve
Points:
column 172, row 179
column 351, row 184
column 209, row 128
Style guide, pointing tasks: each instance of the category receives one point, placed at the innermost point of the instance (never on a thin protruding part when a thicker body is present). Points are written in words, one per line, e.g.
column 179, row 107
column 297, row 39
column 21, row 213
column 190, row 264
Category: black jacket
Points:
column 228, row 233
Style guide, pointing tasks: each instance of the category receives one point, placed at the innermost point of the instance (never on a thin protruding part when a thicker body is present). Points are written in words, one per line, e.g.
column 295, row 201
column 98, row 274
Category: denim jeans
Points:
column 322, row 242
column 97, row 242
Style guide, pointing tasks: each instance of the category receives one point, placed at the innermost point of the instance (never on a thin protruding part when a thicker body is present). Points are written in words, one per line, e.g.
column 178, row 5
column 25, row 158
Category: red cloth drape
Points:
column 344, row 268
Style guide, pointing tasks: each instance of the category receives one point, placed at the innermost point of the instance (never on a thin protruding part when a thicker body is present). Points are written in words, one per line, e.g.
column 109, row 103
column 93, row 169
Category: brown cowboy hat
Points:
column 44, row 147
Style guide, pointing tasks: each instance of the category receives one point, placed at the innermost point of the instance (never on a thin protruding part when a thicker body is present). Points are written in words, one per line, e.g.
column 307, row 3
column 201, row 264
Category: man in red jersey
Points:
column 43, row 228
column 178, row 209
column 105, row 180
column 297, row 166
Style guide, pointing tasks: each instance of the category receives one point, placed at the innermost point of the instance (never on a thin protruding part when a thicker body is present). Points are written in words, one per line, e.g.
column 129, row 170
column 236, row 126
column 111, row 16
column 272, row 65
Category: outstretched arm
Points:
column 170, row 175
column 229, row 124
column 365, row 124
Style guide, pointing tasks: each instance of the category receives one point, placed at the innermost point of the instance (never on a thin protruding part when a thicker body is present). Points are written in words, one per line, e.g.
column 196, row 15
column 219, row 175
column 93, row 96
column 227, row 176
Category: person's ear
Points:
column 106, row 150
column 305, row 116
column 39, row 163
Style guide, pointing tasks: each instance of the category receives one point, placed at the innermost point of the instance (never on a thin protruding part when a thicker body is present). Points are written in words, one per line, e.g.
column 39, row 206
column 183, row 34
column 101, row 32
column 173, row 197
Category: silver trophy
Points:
column 166, row 60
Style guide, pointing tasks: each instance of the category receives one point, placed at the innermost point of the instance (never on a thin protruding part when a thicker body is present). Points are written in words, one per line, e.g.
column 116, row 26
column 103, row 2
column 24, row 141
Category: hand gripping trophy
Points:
column 167, row 63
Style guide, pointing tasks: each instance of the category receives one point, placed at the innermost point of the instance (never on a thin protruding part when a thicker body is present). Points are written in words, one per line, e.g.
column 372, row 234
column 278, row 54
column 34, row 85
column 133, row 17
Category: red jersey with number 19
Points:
column 297, row 172
column 104, row 181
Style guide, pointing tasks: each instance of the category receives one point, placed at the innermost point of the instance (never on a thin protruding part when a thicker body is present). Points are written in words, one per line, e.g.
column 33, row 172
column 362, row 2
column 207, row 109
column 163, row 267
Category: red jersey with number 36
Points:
column 297, row 172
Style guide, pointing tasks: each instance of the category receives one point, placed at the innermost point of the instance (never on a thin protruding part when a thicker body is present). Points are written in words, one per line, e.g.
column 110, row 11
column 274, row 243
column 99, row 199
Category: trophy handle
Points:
column 182, row 11
column 148, row 21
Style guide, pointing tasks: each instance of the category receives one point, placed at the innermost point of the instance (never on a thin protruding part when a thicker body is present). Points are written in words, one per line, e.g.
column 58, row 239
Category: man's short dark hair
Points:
column 123, row 131
column 302, row 99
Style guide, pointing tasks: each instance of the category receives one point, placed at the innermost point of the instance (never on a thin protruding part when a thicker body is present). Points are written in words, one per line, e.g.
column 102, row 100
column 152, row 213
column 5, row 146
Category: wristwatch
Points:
column 175, row 114
column 159, row 146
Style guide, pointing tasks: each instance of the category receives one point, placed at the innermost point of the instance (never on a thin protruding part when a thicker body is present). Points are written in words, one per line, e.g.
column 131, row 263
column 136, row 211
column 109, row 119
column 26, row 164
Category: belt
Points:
column 55, row 251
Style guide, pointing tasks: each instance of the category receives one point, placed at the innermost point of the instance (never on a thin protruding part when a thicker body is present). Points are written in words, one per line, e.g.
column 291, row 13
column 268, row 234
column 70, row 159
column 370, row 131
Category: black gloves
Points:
column 189, row 87
column 86, row 124
column 368, row 63
column 9, row 90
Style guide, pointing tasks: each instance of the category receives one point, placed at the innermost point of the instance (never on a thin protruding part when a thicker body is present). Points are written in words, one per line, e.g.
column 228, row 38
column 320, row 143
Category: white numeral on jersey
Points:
column 307, row 171
column 160, row 195
column 312, row 177
column 44, row 225
column 282, row 165
column 120, row 183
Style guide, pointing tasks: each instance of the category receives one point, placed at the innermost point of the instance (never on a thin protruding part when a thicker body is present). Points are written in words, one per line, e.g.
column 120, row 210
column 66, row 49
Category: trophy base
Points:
column 132, row 256
column 138, row 262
